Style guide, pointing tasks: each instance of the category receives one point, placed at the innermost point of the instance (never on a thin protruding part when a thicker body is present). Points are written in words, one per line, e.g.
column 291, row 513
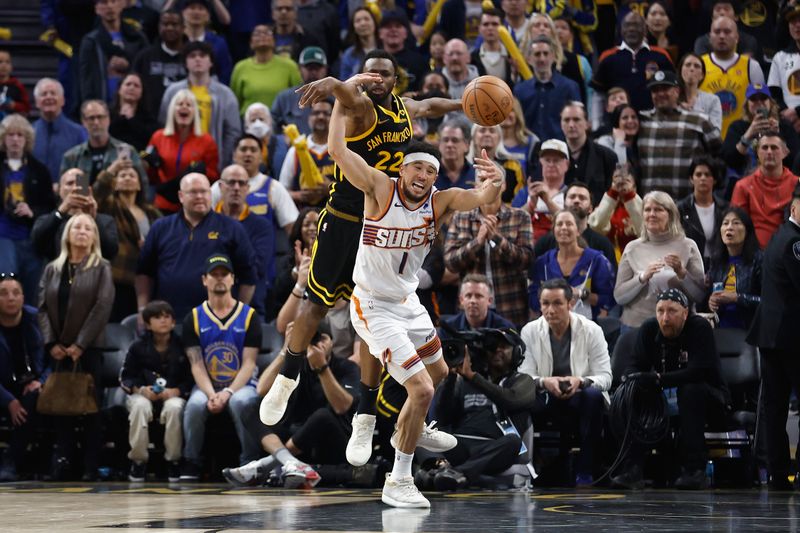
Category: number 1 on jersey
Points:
column 403, row 262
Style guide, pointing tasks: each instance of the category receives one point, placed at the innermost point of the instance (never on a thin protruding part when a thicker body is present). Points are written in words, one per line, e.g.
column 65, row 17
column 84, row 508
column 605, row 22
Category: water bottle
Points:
column 710, row 473
column 718, row 287
column 159, row 385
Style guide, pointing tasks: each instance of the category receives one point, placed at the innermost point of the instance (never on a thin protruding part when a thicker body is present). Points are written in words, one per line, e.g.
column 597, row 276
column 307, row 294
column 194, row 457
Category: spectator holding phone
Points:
column 75, row 198
column 101, row 149
column 761, row 115
column 567, row 357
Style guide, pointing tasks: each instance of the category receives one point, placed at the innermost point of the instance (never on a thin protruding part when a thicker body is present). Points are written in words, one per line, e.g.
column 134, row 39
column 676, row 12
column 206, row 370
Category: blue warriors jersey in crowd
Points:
column 222, row 344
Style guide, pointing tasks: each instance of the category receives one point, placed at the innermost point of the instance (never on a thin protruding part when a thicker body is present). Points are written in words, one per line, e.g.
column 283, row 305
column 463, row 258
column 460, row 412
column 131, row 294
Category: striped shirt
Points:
column 668, row 140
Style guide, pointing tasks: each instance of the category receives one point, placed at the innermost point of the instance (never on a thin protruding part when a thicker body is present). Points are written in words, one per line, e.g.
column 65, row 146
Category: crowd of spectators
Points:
column 639, row 162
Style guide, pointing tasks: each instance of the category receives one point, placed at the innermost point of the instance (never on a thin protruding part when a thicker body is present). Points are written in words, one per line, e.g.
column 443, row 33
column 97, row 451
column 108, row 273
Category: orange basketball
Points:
column 487, row 100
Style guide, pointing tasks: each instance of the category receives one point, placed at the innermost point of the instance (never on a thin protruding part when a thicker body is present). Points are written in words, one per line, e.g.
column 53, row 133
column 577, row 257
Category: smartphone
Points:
column 124, row 152
column 762, row 112
column 563, row 386
column 82, row 183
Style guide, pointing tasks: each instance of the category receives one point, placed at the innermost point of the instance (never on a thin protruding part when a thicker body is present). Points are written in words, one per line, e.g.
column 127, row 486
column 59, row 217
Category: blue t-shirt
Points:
column 11, row 228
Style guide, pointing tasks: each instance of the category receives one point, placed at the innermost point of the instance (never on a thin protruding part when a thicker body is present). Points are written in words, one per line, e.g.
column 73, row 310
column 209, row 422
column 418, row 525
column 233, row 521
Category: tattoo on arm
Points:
column 194, row 355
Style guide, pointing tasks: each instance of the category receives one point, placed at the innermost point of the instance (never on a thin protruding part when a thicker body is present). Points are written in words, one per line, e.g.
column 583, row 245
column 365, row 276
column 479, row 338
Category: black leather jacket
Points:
column 691, row 221
column 748, row 284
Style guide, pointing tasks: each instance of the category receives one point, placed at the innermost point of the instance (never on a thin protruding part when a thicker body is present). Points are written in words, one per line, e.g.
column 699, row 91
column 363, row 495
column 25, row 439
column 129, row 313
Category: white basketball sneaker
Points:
column 403, row 493
column 359, row 447
column 273, row 406
column 431, row 439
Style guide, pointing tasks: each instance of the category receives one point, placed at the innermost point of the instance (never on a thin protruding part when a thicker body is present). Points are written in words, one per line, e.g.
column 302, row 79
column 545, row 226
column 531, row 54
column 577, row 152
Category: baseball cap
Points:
column 554, row 145
column 313, row 55
column 218, row 260
column 661, row 78
column 394, row 15
column 754, row 89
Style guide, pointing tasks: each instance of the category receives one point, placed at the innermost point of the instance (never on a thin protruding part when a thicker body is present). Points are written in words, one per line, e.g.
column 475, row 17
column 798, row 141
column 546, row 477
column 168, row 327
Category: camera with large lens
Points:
column 481, row 344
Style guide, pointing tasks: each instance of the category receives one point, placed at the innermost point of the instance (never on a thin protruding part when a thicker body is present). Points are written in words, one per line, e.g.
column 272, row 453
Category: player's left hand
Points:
column 487, row 171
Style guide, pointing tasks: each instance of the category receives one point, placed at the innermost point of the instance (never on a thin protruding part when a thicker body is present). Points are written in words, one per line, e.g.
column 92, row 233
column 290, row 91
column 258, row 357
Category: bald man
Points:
column 457, row 68
column 172, row 260
column 728, row 73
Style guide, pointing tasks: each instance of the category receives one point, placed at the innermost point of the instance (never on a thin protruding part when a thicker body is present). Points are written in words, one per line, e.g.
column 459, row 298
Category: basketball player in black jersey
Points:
column 378, row 128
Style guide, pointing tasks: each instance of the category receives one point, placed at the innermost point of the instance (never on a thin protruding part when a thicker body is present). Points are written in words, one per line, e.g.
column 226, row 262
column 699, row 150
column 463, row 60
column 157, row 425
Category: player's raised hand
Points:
column 487, row 171
column 365, row 79
column 316, row 91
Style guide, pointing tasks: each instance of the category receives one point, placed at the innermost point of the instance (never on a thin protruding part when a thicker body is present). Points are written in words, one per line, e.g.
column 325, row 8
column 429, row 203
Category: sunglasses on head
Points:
column 7, row 275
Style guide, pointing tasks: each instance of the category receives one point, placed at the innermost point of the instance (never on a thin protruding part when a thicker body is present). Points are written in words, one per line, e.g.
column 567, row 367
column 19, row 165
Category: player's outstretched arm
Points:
column 456, row 199
column 352, row 165
column 431, row 107
column 348, row 92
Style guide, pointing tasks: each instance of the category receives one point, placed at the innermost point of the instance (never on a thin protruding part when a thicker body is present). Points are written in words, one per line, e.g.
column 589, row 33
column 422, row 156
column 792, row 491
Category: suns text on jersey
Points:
column 393, row 238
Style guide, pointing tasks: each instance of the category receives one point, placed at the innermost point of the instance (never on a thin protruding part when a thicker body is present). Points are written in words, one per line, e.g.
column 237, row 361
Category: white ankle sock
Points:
column 402, row 465
column 284, row 456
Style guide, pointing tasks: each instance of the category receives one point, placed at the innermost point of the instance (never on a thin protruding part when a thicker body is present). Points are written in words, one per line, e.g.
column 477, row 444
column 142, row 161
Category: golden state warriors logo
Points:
column 793, row 83
column 728, row 101
column 222, row 362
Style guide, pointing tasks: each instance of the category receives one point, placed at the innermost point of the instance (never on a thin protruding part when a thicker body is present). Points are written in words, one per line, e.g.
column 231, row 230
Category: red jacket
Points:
column 17, row 100
column 765, row 200
column 177, row 157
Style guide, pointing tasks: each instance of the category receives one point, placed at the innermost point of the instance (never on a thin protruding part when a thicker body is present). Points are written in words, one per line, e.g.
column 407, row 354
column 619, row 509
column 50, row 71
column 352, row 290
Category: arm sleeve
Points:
column 130, row 375
column 756, row 74
column 520, row 396
column 627, row 287
column 600, row 218
column 98, row 317
column 752, row 298
column 519, row 251
column 288, row 169
column 285, row 208
column 729, row 153
column 539, row 276
column 599, row 360
column 693, row 284
column 241, row 252
column 603, row 282
column 640, row 359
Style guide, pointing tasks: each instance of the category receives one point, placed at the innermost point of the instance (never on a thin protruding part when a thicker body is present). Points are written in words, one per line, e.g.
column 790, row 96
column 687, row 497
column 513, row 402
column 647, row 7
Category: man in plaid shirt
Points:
column 669, row 137
column 497, row 241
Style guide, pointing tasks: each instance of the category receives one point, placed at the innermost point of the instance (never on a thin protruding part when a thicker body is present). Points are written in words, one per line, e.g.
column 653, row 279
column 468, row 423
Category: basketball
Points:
column 487, row 101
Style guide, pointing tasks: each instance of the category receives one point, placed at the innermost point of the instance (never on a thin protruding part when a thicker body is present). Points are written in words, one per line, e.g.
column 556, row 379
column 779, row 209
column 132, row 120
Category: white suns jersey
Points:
column 393, row 247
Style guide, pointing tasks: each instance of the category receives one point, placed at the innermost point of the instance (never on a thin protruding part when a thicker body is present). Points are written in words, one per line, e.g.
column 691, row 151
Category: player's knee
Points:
column 420, row 389
column 314, row 311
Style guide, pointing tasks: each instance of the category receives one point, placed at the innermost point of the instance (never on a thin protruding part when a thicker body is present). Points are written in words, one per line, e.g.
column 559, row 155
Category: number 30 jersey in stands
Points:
column 393, row 247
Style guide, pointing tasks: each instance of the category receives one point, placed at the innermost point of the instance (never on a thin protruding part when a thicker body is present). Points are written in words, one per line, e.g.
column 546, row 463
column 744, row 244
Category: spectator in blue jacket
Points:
column 476, row 299
column 588, row 271
column 172, row 260
column 22, row 370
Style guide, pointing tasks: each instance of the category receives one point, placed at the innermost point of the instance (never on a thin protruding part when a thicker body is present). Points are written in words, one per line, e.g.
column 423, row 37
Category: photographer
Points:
column 567, row 357
column 486, row 404
column 677, row 352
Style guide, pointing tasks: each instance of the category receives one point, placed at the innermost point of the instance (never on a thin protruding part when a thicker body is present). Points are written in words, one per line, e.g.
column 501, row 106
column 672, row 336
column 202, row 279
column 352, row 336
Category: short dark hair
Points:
column 379, row 54
column 171, row 11
column 716, row 167
column 494, row 12
column 198, row 46
column 580, row 185
column 557, row 283
column 155, row 309
column 422, row 147
column 436, row 73
column 248, row 136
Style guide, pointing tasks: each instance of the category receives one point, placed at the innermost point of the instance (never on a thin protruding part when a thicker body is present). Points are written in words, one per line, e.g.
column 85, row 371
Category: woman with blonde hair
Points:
column 75, row 297
column 178, row 148
column 517, row 138
column 26, row 191
column 121, row 193
column 569, row 64
column 662, row 258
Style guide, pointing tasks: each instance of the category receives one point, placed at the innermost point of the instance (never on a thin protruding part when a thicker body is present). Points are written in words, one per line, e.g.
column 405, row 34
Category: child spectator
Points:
column 156, row 371
column 13, row 95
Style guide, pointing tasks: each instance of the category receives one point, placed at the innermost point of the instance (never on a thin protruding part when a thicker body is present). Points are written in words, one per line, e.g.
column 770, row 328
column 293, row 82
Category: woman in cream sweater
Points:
column 662, row 258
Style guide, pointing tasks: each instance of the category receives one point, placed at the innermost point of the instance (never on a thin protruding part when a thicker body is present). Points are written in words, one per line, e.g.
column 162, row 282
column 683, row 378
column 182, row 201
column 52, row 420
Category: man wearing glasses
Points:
column 171, row 263
column 101, row 149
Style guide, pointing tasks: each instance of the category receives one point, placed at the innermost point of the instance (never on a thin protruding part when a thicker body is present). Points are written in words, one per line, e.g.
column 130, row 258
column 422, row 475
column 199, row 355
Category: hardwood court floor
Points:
column 116, row 507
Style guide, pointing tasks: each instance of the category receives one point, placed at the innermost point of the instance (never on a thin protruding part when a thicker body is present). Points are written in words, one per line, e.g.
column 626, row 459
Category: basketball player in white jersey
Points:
column 400, row 217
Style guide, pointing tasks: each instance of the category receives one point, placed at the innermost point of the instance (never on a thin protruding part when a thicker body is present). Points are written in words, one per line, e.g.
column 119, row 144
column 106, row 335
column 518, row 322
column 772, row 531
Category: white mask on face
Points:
column 259, row 128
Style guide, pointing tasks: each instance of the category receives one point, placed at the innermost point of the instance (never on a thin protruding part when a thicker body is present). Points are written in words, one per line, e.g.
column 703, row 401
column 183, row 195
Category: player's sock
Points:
column 292, row 363
column 267, row 463
column 367, row 400
column 402, row 465
column 284, row 456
